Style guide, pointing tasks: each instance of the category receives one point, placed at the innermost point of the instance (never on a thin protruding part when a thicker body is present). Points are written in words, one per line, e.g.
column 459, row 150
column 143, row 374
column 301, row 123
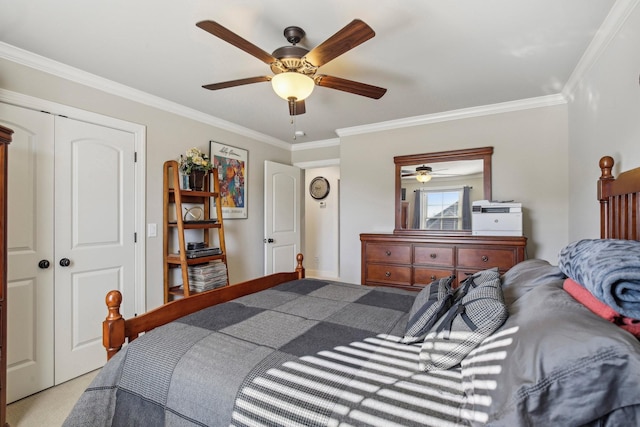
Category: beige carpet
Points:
column 49, row 407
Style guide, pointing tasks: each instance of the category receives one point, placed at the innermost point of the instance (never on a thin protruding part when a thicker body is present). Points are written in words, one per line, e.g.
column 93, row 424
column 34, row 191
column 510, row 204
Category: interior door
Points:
column 282, row 216
column 30, row 364
column 95, row 238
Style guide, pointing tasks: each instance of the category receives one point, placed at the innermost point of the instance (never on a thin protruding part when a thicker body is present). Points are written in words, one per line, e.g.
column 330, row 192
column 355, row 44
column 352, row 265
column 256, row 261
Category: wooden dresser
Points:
column 5, row 139
column 412, row 262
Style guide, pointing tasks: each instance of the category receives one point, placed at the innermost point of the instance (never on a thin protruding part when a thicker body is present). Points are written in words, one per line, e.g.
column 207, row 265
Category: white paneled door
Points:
column 282, row 216
column 71, row 240
column 95, row 238
column 30, row 251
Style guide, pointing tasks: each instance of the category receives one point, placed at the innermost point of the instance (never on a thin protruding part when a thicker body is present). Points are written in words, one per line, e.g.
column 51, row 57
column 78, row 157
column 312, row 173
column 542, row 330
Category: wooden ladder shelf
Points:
column 175, row 223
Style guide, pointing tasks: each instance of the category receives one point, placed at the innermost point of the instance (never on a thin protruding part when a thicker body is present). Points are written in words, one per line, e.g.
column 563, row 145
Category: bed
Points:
column 287, row 350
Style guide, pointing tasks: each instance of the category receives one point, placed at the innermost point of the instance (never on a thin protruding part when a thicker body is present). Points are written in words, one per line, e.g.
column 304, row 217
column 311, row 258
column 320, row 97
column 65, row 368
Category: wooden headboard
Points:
column 619, row 202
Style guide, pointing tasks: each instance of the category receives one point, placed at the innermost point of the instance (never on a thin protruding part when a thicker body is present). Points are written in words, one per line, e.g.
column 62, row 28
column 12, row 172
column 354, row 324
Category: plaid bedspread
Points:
column 307, row 353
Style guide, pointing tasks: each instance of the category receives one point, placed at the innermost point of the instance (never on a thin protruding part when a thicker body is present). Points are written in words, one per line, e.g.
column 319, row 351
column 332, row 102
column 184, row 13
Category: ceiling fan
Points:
column 424, row 173
column 295, row 68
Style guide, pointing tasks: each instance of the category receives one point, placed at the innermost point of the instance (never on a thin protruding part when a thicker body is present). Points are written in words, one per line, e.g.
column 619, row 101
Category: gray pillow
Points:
column 474, row 316
column 553, row 362
column 430, row 304
column 526, row 275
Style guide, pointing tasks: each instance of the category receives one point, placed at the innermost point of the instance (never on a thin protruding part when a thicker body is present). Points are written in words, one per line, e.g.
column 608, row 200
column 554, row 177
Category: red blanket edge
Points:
column 586, row 298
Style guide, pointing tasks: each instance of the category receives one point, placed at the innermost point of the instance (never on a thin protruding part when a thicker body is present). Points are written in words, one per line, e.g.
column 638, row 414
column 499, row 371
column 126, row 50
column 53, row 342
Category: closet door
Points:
column 77, row 179
column 95, row 238
column 30, row 363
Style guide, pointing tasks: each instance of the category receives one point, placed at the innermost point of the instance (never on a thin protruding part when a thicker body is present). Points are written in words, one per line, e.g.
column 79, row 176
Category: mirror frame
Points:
column 483, row 153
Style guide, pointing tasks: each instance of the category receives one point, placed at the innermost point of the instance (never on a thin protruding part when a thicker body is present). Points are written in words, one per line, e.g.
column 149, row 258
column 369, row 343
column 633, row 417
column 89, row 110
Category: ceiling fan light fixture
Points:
column 292, row 85
column 423, row 177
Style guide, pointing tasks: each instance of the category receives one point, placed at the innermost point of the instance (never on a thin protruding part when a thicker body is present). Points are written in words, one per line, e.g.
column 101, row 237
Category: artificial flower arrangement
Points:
column 194, row 160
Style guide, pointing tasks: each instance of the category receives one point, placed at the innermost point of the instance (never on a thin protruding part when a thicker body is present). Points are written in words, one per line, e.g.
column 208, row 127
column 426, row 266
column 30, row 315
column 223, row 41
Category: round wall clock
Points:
column 319, row 188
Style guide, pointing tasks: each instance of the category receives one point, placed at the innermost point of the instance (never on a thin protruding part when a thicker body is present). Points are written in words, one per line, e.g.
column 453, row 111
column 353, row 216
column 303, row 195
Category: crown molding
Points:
column 323, row 143
column 464, row 113
column 611, row 26
column 317, row 164
column 41, row 63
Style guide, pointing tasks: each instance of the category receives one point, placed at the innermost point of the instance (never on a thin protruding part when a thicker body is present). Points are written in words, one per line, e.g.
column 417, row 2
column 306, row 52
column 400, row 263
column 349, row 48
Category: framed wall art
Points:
column 232, row 164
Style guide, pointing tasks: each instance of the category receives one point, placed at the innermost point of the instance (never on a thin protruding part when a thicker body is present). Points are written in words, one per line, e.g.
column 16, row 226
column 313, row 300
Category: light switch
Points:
column 152, row 230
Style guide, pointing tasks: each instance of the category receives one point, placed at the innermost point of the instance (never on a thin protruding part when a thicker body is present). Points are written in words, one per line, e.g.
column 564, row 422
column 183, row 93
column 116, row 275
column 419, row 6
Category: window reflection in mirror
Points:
column 435, row 191
column 443, row 201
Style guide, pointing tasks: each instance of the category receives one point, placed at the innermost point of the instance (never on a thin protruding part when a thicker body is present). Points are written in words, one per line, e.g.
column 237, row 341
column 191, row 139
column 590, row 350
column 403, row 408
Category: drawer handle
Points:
column 433, row 256
column 485, row 258
column 388, row 252
column 433, row 277
column 387, row 274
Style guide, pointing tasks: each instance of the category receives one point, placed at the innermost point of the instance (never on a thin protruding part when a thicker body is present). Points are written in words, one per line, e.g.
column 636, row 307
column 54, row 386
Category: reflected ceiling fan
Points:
column 424, row 173
column 295, row 68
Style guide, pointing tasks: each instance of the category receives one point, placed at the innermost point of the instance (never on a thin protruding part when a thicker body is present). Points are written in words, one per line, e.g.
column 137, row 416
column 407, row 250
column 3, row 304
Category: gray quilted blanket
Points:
column 318, row 353
column 307, row 353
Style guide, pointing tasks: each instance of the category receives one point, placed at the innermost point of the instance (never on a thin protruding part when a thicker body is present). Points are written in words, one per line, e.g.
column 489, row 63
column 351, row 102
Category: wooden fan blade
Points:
column 234, row 39
column 296, row 107
column 350, row 86
column 239, row 82
column 352, row 35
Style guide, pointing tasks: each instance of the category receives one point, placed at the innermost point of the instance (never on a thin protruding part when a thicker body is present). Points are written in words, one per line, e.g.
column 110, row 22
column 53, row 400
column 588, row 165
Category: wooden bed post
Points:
column 606, row 164
column 299, row 267
column 113, row 326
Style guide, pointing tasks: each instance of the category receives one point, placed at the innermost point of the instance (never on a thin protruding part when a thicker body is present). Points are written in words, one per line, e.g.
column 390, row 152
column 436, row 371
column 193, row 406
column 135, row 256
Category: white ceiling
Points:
column 432, row 55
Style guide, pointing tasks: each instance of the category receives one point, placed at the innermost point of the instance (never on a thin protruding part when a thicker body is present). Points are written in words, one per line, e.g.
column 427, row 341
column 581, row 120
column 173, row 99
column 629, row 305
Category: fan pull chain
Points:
column 292, row 113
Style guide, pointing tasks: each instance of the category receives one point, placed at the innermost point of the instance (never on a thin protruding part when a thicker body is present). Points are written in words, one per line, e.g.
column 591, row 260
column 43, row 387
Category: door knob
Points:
column 270, row 240
column 44, row 264
column 64, row 262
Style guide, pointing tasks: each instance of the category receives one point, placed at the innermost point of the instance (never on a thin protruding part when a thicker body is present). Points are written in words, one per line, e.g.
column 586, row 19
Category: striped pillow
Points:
column 471, row 319
column 430, row 304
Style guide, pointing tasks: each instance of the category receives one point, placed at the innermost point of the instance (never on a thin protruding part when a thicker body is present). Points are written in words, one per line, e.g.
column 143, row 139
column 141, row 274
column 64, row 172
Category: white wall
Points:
column 168, row 136
column 529, row 166
column 604, row 119
column 321, row 248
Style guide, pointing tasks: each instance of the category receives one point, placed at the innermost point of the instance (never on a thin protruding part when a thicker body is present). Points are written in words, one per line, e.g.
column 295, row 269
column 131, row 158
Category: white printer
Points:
column 496, row 218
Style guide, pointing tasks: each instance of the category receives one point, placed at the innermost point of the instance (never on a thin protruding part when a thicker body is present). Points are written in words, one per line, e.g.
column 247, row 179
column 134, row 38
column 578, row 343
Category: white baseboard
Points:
column 320, row 274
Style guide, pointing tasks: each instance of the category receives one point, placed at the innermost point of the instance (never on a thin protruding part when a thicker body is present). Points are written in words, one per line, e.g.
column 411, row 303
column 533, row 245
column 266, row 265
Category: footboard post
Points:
column 113, row 325
column 299, row 267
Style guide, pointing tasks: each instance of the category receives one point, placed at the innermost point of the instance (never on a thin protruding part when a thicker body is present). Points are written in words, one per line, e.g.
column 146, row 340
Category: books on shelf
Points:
column 210, row 275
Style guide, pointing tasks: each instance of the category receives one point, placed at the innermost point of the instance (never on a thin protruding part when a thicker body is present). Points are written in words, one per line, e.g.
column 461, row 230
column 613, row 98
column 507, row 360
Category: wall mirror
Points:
column 434, row 191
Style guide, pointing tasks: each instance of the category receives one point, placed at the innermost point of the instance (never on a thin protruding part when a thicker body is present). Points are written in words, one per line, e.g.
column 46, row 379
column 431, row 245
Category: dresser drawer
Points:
column 433, row 255
column 483, row 258
column 424, row 276
column 382, row 252
column 393, row 274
